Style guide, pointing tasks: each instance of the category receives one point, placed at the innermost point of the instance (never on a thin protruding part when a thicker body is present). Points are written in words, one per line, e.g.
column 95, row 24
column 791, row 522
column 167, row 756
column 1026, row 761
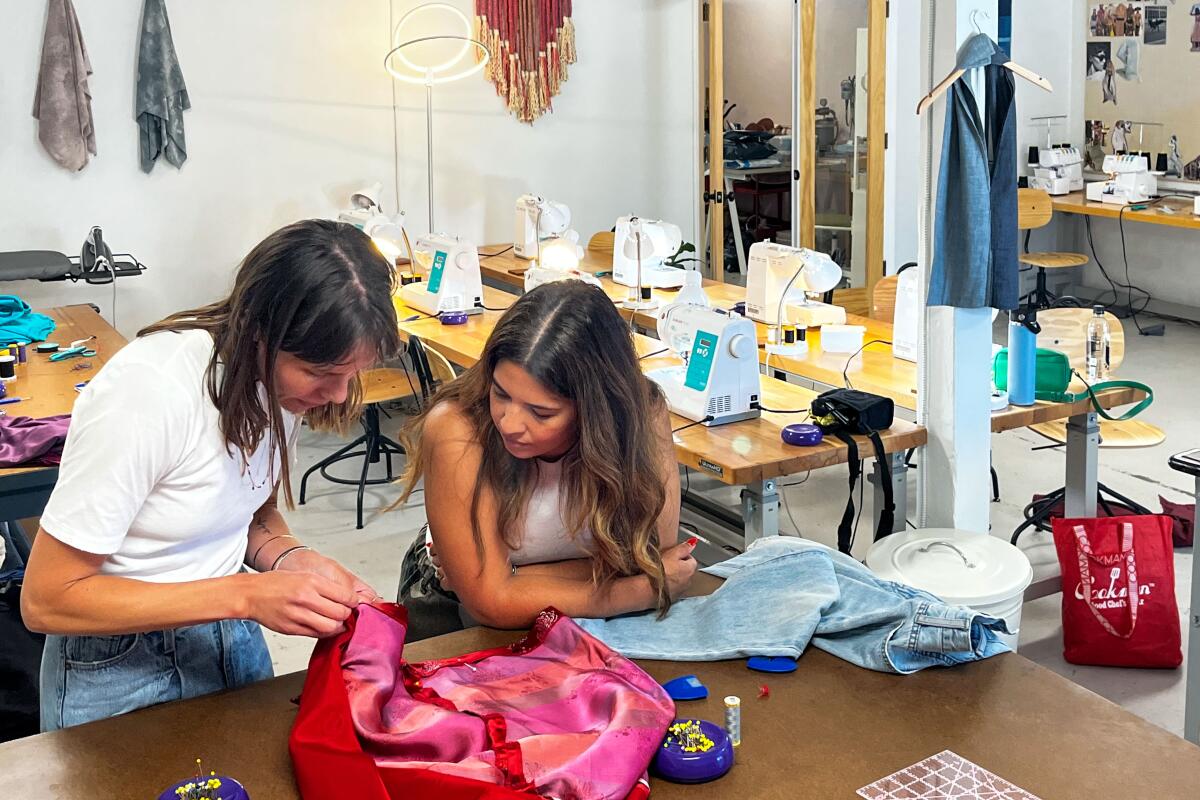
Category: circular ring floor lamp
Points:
column 428, row 75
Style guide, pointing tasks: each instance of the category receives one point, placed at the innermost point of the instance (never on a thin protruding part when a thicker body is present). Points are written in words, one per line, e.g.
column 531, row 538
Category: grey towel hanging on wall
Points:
column 62, row 102
column 161, row 94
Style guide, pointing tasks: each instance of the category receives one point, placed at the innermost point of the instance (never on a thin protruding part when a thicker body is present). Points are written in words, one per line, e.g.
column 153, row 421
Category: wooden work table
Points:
column 49, row 387
column 826, row 730
column 1182, row 216
column 748, row 453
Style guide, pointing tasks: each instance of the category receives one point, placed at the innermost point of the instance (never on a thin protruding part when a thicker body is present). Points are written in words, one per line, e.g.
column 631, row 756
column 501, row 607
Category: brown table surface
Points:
column 1077, row 203
column 826, row 730
column 735, row 453
column 50, row 385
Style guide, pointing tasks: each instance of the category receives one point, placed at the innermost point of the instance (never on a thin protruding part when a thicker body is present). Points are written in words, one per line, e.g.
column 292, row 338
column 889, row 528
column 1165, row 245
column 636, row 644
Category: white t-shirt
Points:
column 146, row 478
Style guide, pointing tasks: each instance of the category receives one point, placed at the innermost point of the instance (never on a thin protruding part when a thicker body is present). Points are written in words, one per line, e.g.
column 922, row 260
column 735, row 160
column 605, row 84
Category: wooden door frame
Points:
column 713, row 201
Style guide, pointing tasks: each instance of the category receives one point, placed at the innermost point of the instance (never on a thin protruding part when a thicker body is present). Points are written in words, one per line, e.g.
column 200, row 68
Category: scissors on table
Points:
column 76, row 349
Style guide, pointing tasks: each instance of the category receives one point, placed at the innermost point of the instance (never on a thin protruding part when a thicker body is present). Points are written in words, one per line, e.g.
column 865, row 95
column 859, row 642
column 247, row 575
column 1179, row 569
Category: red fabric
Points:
column 1128, row 556
column 330, row 759
column 1183, row 516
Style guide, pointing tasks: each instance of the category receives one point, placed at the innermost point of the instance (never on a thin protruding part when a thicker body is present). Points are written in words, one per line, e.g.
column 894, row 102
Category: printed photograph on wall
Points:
column 1099, row 55
column 1116, row 19
column 1127, row 57
column 1156, row 25
column 1195, row 27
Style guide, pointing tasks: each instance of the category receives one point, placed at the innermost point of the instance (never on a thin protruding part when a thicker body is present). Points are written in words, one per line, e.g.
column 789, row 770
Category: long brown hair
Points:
column 316, row 289
column 570, row 338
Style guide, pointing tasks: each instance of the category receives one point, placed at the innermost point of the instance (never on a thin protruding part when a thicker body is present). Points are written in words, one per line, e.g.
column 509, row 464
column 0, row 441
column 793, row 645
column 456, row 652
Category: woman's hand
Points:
column 314, row 562
column 298, row 602
column 680, row 566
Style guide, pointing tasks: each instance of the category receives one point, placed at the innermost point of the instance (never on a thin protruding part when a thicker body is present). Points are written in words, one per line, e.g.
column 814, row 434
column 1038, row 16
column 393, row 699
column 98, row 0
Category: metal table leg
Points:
column 1191, row 713
column 899, row 483
column 760, row 509
column 1083, row 447
column 736, row 223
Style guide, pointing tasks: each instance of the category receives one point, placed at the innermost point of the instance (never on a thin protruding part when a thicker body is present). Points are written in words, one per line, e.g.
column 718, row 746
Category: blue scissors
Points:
column 76, row 349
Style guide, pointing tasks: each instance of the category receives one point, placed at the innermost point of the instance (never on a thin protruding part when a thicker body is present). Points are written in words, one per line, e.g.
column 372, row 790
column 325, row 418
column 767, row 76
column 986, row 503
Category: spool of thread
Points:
column 8, row 368
column 22, row 352
column 733, row 719
column 1022, row 364
column 1160, row 163
column 1032, row 159
column 646, row 293
column 47, row 347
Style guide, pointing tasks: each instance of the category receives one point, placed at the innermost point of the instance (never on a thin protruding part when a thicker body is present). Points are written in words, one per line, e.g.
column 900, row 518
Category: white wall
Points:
column 1048, row 39
column 902, row 158
column 291, row 109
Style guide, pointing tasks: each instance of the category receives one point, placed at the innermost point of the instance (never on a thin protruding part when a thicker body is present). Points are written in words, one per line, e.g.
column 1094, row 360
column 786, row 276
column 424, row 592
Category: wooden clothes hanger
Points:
column 949, row 80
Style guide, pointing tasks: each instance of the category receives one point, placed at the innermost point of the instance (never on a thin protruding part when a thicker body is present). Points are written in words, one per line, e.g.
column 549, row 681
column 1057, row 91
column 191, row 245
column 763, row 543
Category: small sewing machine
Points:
column 718, row 381
column 1059, row 170
column 639, row 249
column 451, row 280
column 538, row 219
column 780, row 278
column 1131, row 181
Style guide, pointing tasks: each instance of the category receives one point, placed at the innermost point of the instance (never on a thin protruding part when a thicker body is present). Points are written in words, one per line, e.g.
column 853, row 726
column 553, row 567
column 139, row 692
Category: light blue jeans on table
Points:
column 86, row 678
column 783, row 593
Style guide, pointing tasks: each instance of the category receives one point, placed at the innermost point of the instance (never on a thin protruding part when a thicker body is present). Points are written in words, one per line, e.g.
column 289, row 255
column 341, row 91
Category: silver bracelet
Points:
column 279, row 558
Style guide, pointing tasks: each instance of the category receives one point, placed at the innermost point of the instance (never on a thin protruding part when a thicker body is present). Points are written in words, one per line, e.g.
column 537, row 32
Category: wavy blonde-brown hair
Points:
column 570, row 338
column 316, row 289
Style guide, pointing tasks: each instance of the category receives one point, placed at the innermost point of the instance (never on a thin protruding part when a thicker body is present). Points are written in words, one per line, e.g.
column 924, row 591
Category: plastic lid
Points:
column 958, row 566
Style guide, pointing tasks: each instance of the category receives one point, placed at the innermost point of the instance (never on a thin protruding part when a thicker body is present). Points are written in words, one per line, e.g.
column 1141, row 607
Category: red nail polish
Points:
column 693, row 541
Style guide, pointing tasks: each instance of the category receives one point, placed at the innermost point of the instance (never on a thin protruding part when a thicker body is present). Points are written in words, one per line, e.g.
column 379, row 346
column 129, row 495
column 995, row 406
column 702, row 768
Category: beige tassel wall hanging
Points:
column 532, row 42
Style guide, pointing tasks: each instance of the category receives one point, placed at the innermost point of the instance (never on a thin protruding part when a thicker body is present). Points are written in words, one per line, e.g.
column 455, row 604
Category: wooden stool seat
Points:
column 1113, row 433
column 385, row 383
column 602, row 242
column 1053, row 260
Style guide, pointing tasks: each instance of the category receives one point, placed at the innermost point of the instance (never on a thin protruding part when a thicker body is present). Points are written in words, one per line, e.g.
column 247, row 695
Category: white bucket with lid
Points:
column 976, row 570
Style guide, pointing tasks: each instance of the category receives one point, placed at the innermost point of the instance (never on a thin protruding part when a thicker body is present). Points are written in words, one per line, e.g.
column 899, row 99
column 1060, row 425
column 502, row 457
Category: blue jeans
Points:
column 783, row 594
column 86, row 678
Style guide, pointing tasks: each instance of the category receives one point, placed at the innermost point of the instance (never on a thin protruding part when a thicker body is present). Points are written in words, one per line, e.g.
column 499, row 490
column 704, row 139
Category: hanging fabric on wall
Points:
column 974, row 262
column 162, row 96
column 532, row 42
column 62, row 102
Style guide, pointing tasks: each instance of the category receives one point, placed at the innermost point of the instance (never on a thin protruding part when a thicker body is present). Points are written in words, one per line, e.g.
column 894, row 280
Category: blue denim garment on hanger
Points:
column 783, row 593
column 975, row 236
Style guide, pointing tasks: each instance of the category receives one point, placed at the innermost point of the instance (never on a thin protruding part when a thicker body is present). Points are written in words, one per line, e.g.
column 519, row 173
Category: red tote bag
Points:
column 1106, row 563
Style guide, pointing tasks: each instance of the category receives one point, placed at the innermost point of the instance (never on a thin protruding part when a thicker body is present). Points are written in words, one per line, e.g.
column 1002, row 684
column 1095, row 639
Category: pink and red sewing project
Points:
column 557, row 714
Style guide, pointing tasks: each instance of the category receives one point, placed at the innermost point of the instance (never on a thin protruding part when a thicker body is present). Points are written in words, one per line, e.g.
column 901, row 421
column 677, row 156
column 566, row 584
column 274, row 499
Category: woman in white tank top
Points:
column 550, row 476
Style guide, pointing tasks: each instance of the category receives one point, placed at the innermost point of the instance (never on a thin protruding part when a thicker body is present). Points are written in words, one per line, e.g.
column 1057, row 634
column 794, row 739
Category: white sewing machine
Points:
column 450, row 281
column 1059, row 170
column 1131, row 181
column 658, row 241
column 775, row 267
column 538, row 219
column 719, row 377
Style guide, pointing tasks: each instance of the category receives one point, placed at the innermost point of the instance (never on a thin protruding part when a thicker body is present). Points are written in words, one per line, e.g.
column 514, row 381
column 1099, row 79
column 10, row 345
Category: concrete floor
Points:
column 1167, row 363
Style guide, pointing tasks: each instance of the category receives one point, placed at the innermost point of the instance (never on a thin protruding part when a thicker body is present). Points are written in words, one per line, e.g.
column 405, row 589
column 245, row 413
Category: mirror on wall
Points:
column 788, row 86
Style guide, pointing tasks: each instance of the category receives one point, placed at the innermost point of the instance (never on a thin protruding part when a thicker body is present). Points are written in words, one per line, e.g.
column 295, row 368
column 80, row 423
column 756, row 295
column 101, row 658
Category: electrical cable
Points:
column 783, row 410
column 655, row 353
column 497, row 253
column 846, row 369
column 707, row 418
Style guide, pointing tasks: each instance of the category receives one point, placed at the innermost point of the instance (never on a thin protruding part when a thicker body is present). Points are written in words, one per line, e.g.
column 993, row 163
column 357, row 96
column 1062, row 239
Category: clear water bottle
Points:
column 1098, row 344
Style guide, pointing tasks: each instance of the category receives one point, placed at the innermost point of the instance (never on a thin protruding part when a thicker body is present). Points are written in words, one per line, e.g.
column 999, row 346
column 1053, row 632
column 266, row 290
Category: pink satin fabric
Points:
column 558, row 713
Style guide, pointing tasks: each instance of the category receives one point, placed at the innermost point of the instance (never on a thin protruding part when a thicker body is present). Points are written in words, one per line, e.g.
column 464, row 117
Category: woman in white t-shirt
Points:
column 167, row 491
column 550, row 476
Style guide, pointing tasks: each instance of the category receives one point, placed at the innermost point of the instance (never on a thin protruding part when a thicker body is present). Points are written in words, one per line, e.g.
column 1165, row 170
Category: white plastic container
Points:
column 841, row 338
column 976, row 570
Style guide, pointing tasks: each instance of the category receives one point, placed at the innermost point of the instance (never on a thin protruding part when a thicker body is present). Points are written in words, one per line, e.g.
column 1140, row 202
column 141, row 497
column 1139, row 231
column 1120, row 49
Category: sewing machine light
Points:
column 388, row 236
column 538, row 220
column 368, row 197
column 559, row 254
column 640, row 248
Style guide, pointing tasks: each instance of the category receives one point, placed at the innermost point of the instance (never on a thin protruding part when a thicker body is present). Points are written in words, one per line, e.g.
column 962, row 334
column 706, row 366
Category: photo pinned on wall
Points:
column 1155, row 25
column 1099, row 56
column 1116, row 19
column 1195, row 12
column 1128, row 55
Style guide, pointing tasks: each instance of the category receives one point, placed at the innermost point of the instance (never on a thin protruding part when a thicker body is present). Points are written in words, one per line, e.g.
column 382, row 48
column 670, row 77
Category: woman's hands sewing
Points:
column 308, row 595
column 680, row 565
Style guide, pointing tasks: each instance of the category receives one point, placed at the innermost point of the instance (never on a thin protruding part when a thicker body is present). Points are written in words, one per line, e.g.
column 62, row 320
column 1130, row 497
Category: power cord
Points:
column 783, row 410
column 655, row 353
column 846, row 369
column 497, row 253
column 707, row 418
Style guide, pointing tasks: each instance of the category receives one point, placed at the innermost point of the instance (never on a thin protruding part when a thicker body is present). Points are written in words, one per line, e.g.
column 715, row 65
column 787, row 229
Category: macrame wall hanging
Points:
column 532, row 42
